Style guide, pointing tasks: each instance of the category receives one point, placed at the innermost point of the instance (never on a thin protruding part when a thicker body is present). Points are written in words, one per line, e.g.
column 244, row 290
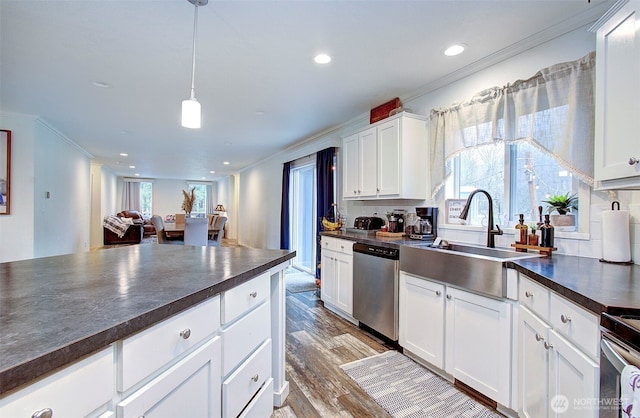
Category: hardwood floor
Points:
column 318, row 342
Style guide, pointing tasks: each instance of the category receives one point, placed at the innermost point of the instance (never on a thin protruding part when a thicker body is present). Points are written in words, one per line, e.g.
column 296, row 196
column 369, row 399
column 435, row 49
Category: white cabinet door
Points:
column 328, row 277
column 478, row 343
column 351, row 163
column 574, row 380
column 389, row 158
column 368, row 158
column 533, row 366
column 344, row 282
column 617, row 137
column 190, row 388
column 421, row 328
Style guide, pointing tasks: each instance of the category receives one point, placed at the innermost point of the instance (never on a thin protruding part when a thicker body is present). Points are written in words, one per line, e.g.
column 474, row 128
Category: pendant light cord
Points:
column 193, row 62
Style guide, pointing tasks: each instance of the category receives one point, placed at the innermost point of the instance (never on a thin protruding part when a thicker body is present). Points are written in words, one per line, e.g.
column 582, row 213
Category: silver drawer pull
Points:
column 449, row 297
column 539, row 337
column 43, row 413
column 565, row 319
column 253, row 294
column 528, row 294
column 255, row 377
column 185, row 333
column 633, row 161
column 548, row 346
column 438, row 293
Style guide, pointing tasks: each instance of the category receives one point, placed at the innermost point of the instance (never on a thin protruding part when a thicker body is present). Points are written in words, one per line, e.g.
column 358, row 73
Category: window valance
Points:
column 553, row 110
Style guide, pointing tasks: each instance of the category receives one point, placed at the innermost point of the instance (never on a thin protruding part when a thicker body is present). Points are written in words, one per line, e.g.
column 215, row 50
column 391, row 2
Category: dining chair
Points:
column 160, row 234
column 218, row 228
column 180, row 217
column 195, row 231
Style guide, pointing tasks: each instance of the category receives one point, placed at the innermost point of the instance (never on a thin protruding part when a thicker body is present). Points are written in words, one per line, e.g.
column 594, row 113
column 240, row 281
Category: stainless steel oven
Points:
column 619, row 347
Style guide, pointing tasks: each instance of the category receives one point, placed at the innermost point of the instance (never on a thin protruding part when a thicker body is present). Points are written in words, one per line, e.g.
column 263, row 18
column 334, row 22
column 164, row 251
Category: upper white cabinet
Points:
column 617, row 136
column 387, row 160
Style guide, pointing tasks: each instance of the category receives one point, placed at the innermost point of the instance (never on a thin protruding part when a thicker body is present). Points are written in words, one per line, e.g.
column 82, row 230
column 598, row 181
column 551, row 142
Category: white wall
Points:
column 260, row 192
column 16, row 229
column 44, row 160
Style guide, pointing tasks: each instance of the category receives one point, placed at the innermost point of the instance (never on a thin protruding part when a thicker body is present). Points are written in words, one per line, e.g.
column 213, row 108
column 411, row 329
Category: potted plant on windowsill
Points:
column 563, row 204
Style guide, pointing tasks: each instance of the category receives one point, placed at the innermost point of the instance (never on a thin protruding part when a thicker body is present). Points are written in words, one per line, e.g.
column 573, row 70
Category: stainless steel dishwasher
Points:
column 375, row 288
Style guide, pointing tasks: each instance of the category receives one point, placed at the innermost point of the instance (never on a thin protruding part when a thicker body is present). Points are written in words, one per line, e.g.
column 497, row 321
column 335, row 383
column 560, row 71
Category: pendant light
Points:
column 191, row 110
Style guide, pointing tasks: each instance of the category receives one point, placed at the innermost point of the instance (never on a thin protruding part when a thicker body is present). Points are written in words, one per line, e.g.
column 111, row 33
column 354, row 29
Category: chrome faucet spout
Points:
column 491, row 233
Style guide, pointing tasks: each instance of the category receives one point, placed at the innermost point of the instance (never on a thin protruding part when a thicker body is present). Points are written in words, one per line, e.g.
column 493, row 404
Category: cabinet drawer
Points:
column 149, row 350
column 189, row 388
column 576, row 324
column 262, row 405
column 245, row 297
column 534, row 296
column 242, row 337
column 239, row 388
column 344, row 246
column 74, row 391
column 328, row 243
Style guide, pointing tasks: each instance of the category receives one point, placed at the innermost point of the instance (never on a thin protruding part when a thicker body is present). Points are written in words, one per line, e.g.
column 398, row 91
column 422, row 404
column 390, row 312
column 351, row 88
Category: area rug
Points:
column 296, row 281
column 406, row 389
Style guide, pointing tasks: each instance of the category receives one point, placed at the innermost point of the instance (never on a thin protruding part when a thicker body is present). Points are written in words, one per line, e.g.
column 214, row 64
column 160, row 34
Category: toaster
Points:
column 368, row 223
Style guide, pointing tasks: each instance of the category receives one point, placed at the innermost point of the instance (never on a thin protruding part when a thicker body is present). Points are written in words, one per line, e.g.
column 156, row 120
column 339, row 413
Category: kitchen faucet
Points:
column 491, row 233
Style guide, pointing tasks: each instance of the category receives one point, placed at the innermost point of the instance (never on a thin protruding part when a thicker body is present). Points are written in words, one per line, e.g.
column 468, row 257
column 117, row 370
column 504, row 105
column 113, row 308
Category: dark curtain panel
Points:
column 324, row 171
column 284, row 209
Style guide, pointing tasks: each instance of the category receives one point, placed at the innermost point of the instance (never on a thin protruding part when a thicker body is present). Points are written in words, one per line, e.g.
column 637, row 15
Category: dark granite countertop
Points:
column 596, row 286
column 56, row 310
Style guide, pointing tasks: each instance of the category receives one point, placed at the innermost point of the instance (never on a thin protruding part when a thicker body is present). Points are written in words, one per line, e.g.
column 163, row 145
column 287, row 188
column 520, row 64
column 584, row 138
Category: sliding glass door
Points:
column 303, row 215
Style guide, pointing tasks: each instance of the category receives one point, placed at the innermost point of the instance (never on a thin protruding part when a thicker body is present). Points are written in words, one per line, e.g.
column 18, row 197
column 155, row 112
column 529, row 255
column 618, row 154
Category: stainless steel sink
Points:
column 478, row 269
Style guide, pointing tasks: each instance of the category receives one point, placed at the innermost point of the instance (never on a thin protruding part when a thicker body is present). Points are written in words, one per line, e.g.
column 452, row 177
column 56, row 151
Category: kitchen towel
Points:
column 630, row 391
column 615, row 236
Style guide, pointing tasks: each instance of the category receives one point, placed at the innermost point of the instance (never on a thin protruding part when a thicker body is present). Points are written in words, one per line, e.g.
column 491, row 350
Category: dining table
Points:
column 176, row 230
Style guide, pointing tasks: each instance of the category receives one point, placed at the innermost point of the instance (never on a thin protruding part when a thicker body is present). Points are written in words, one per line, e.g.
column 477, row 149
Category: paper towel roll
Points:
column 615, row 236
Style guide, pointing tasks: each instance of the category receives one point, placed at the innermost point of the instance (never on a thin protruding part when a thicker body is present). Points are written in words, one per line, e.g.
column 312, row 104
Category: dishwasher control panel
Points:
column 373, row 250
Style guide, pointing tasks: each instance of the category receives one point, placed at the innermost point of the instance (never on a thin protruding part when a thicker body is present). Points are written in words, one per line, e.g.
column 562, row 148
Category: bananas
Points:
column 330, row 226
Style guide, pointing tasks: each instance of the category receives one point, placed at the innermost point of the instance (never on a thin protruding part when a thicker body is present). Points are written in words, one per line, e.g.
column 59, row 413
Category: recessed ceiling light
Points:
column 259, row 112
column 212, row 172
column 454, row 50
column 226, row 163
column 137, row 174
column 203, row 178
column 101, row 84
column 124, row 154
column 322, row 59
column 132, row 166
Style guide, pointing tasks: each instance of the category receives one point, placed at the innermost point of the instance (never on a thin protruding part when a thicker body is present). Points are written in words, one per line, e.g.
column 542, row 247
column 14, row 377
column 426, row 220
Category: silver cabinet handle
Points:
column 355, row 192
column 539, row 337
column 548, row 346
column 449, row 297
column 255, row 377
column 438, row 293
column 185, row 333
column 633, row 161
column 43, row 413
column 528, row 294
column 253, row 294
column 565, row 319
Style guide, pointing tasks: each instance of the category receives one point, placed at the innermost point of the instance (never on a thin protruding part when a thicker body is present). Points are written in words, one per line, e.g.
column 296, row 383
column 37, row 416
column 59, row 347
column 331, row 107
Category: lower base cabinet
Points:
column 556, row 378
column 467, row 335
column 190, row 388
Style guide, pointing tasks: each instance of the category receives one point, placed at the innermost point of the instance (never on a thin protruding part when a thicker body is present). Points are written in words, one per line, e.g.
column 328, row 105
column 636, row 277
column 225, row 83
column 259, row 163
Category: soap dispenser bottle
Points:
column 522, row 228
column 546, row 232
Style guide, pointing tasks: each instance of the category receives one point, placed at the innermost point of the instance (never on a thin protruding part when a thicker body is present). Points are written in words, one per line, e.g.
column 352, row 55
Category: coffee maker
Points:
column 426, row 228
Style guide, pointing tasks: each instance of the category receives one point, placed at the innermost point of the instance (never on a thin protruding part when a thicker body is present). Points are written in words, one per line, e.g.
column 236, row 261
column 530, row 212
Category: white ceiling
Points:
column 252, row 57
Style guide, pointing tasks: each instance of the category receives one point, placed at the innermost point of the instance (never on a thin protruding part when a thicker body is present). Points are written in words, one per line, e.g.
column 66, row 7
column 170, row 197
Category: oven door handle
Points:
column 614, row 358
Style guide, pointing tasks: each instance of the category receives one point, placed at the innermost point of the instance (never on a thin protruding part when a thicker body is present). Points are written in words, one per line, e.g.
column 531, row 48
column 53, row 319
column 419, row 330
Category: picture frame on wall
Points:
column 454, row 209
column 5, row 172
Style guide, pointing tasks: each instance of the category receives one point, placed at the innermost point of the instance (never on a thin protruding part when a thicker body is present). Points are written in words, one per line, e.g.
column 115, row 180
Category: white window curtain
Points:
column 131, row 196
column 553, row 110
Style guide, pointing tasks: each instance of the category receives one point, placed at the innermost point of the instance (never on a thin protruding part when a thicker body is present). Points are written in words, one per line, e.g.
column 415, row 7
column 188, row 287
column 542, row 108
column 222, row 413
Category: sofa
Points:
column 148, row 228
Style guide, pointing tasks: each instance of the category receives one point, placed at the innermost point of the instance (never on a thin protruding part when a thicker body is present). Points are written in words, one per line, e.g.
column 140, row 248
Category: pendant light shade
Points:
column 191, row 113
column 191, row 109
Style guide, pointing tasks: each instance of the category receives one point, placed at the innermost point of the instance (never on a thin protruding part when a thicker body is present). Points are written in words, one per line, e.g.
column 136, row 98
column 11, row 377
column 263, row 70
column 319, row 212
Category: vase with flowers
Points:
column 188, row 200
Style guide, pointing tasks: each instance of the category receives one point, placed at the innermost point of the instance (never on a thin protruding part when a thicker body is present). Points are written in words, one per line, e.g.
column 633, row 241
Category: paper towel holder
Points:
column 624, row 263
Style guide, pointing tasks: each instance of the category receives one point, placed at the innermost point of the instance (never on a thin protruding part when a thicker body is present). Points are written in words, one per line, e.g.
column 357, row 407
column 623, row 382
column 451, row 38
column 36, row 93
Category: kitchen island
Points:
column 55, row 311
